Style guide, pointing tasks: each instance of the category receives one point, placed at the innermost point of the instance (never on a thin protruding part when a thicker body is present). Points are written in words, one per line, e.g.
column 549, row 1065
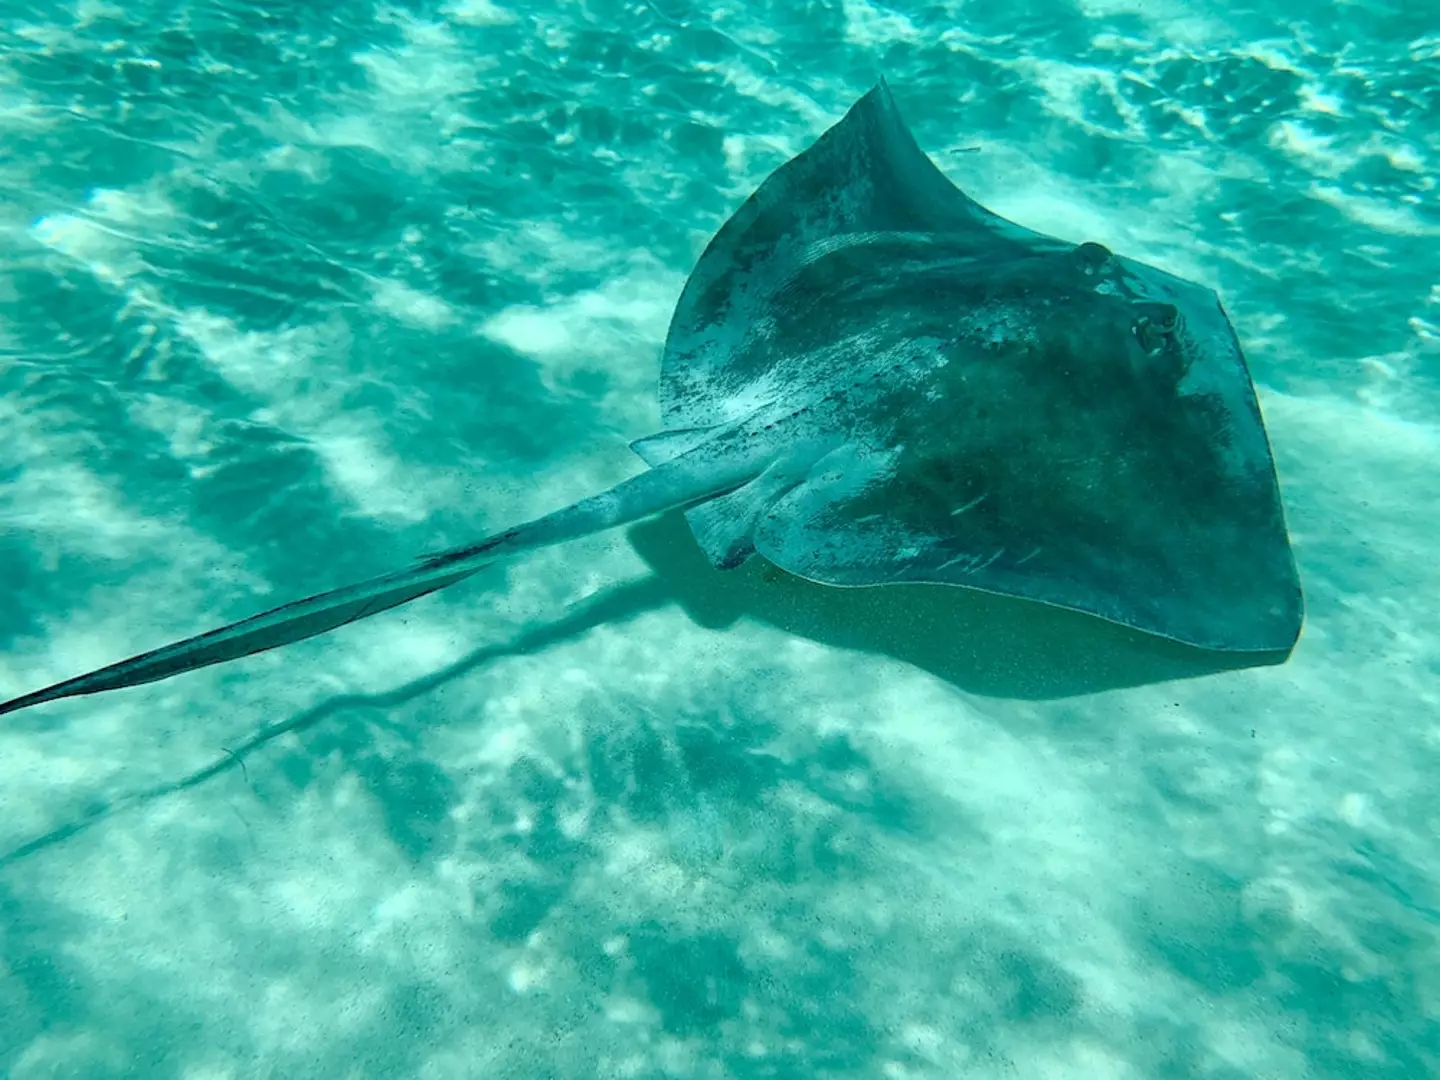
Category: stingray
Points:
column 871, row 379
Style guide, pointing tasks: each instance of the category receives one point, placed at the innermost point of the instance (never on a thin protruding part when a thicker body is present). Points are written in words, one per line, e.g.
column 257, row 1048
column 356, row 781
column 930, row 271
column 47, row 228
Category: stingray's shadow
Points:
column 990, row 645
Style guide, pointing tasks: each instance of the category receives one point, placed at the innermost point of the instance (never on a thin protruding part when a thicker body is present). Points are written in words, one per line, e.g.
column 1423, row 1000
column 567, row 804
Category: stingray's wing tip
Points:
column 1278, row 650
column 880, row 93
column 1292, row 640
column 1275, row 637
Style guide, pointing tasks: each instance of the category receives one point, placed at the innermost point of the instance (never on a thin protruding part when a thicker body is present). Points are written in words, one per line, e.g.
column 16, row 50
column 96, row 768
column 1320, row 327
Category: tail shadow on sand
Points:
column 625, row 601
column 987, row 645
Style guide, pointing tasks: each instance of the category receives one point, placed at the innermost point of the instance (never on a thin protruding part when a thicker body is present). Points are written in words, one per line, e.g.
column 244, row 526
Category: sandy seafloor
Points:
column 290, row 293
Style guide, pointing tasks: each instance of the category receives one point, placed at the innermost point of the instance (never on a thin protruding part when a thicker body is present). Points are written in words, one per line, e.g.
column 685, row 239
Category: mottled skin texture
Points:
column 1043, row 447
column 871, row 378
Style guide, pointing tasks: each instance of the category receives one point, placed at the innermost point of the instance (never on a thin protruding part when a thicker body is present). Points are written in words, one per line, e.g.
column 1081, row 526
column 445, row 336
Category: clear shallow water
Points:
column 289, row 294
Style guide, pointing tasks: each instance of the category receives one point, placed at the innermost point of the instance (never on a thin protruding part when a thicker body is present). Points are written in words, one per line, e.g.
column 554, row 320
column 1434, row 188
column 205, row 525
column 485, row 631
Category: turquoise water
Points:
column 291, row 293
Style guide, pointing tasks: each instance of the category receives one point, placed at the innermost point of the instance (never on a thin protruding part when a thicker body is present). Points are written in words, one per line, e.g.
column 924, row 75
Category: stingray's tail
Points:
column 676, row 483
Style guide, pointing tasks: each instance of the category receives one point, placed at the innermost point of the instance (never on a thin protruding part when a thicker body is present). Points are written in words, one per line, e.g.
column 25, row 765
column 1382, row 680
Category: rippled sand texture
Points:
column 291, row 293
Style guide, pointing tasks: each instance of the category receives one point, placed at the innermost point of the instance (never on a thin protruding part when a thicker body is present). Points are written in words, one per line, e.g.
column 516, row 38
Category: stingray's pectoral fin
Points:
column 270, row 630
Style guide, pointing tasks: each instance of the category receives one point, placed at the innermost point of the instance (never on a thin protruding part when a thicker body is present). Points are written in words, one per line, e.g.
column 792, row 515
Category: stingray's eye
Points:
column 1155, row 325
column 1092, row 257
column 1164, row 317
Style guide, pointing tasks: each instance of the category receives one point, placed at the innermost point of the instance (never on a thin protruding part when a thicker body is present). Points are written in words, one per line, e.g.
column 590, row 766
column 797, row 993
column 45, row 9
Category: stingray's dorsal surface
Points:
column 1011, row 412
column 865, row 175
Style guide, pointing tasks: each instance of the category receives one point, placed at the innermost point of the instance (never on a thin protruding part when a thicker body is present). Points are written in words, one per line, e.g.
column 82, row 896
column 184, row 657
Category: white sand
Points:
column 577, row 819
